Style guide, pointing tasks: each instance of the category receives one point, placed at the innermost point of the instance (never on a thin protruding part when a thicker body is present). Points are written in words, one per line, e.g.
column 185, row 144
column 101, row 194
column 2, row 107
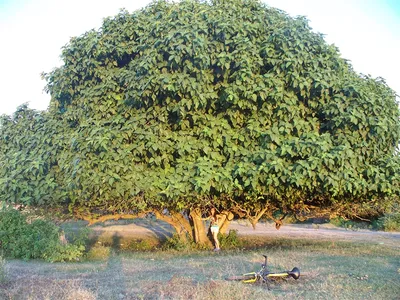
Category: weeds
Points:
column 98, row 252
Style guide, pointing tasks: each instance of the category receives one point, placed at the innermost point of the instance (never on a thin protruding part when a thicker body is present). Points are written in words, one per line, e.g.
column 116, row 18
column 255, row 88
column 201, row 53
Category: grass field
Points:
column 336, row 270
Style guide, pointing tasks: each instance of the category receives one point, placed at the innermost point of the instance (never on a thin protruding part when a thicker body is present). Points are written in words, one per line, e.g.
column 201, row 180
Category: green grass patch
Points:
column 98, row 252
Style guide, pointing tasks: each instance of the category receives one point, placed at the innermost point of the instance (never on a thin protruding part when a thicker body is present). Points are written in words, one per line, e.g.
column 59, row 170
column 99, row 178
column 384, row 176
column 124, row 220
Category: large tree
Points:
column 186, row 105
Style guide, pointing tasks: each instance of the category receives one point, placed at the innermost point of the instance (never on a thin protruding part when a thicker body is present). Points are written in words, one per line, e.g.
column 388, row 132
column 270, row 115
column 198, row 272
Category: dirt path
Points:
column 142, row 228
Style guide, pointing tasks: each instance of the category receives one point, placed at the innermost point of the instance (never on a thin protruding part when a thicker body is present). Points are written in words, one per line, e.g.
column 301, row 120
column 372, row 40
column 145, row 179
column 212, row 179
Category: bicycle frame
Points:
column 252, row 280
column 264, row 275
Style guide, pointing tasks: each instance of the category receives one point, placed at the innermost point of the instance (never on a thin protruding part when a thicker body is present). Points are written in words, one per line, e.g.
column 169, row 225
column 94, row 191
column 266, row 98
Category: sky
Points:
column 32, row 33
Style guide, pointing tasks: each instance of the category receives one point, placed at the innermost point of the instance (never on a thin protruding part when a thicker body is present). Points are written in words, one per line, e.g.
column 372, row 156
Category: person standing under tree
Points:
column 214, row 228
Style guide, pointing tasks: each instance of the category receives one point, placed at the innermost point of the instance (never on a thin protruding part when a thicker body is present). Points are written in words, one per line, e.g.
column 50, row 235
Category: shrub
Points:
column 39, row 239
column 230, row 240
column 80, row 237
column 62, row 253
column 350, row 224
column 178, row 243
column 20, row 239
column 12, row 224
column 389, row 222
column 140, row 245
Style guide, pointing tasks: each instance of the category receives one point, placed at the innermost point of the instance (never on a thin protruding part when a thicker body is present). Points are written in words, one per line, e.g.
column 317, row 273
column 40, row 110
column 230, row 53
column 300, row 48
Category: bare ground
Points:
column 160, row 230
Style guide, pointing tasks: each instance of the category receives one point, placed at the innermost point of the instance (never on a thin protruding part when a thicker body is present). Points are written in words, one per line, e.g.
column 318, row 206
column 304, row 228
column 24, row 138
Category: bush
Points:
column 22, row 240
column 230, row 240
column 389, row 222
column 62, row 253
column 177, row 243
column 139, row 245
column 39, row 239
column 80, row 237
column 12, row 225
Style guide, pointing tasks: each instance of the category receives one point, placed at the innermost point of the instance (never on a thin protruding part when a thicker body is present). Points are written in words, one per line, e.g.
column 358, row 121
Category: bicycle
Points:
column 265, row 276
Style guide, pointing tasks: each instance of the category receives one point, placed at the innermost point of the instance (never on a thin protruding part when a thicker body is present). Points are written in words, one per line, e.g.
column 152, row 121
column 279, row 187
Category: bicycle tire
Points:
column 241, row 278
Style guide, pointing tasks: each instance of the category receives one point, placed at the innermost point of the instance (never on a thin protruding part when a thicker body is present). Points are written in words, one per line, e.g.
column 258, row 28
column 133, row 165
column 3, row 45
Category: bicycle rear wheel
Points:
column 244, row 278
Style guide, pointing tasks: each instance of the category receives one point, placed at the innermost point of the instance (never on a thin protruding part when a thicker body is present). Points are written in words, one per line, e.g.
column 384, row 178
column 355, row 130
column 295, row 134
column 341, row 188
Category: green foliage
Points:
column 351, row 224
column 57, row 252
column 23, row 240
column 248, row 102
column 38, row 239
column 30, row 145
column 178, row 243
column 139, row 245
column 230, row 240
column 183, row 102
column 389, row 222
column 81, row 237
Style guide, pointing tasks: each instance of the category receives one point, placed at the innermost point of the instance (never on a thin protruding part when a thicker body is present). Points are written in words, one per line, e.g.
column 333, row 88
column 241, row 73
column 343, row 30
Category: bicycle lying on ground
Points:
column 265, row 276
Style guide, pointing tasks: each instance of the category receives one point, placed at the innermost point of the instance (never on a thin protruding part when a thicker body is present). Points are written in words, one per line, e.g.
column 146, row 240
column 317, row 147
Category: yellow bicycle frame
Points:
column 254, row 274
column 252, row 280
column 278, row 274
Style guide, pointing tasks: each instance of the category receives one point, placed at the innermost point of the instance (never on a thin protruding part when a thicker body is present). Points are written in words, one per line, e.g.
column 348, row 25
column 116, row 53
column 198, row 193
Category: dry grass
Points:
column 336, row 271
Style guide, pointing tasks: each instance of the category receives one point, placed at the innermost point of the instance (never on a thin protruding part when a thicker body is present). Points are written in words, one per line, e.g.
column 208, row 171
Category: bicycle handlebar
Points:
column 265, row 262
column 294, row 273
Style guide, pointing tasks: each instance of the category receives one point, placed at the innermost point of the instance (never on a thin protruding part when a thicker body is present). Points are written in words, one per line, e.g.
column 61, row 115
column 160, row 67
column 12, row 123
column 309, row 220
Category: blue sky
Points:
column 32, row 33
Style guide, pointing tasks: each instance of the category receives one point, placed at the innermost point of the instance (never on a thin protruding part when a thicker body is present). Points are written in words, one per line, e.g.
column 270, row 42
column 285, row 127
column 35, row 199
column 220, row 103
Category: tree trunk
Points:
column 226, row 217
column 178, row 221
column 199, row 230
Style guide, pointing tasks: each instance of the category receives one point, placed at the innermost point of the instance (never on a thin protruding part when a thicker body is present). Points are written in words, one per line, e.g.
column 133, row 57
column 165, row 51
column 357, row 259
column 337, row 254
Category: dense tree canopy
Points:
column 225, row 103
